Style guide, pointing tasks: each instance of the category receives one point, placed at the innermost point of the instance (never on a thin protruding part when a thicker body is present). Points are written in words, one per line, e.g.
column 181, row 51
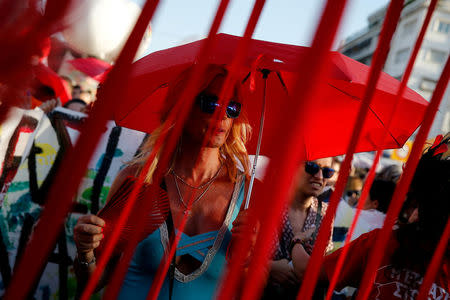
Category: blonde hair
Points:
column 232, row 153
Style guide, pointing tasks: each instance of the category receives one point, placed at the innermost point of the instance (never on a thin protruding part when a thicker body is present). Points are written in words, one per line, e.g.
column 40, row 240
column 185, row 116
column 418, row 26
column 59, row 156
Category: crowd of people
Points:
column 215, row 175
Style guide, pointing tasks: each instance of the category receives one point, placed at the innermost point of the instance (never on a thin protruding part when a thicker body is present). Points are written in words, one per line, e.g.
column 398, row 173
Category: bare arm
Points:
column 300, row 259
column 88, row 234
column 282, row 273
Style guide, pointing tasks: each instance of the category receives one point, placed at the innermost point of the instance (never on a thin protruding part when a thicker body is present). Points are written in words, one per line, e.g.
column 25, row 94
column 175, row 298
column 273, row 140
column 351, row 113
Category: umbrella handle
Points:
column 265, row 73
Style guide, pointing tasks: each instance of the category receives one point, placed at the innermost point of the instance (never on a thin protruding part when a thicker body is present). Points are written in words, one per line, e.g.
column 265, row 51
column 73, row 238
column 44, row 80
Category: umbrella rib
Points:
column 376, row 115
column 398, row 144
column 281, row 81
column 350, row 95
column 246, row 77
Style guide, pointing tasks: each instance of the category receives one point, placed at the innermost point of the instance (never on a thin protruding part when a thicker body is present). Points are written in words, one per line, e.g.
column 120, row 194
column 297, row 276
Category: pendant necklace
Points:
column 206, row 185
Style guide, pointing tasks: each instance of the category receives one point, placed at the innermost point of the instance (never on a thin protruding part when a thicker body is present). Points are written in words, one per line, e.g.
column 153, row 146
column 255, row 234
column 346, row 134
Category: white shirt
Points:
column 368, row 220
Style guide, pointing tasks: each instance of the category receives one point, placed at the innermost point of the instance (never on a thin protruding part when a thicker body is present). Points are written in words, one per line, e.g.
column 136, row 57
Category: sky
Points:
column 284, row 21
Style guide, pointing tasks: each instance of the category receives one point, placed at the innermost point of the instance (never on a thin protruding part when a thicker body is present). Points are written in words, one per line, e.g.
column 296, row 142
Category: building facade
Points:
column 430, row 61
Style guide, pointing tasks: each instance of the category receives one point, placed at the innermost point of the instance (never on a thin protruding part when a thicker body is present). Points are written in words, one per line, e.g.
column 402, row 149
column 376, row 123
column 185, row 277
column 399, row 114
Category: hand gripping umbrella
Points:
column 333, row 112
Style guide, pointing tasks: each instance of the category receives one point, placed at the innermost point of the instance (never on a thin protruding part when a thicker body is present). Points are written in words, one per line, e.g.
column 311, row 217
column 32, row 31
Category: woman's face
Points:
column 199, row 121
column 312, row 184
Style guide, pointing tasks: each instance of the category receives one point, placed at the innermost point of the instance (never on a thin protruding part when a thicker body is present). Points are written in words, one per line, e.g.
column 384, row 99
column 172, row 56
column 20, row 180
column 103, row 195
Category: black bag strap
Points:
column 319, row 214
column 318, row 219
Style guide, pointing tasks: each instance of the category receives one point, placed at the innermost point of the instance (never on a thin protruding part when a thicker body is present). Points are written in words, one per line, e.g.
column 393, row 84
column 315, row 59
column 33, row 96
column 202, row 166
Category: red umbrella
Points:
column 92, row 67
column 48, row 77
column 334, row 110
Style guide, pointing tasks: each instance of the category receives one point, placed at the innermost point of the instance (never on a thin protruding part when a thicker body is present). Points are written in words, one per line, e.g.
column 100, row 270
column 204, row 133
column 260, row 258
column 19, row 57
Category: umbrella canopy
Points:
column 92, row 67
column 333, row 112
column 48, row 77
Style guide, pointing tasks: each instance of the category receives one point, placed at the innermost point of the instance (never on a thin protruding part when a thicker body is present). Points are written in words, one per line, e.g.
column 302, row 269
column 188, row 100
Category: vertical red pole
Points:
column 345, row 248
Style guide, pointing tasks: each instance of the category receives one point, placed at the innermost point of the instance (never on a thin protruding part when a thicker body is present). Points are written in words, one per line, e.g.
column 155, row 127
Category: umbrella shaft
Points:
column 258, row 147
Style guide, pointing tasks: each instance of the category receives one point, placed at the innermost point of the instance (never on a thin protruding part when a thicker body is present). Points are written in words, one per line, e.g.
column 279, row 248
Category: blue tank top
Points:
column 209, row 248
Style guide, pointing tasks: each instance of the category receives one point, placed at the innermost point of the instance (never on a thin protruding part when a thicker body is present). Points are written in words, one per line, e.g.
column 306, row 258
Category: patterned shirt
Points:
column 284, row 240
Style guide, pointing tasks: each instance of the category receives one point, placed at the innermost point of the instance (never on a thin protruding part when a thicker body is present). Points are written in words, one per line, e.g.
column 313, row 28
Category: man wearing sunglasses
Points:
column 301, row 222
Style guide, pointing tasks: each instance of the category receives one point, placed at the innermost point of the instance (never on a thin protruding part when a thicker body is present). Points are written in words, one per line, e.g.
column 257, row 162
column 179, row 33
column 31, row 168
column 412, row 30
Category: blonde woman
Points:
column 212, row 174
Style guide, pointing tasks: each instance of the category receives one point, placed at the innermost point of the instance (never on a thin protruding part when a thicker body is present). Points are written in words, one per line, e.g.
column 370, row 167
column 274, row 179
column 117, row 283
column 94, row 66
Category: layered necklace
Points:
column 205, row 186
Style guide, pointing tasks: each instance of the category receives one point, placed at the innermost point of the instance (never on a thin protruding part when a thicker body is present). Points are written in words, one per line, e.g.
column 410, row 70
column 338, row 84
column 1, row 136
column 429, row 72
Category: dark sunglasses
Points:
column 208, row 104
column 312, row 168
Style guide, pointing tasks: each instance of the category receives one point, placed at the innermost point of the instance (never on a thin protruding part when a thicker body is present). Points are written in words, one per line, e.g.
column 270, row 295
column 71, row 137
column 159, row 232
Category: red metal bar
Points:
column 141, row 25
column 403, row 186
column 371, row 176
column 73, row 169
column 314, row 265
column 345, row 248
column 435, row 264
column 115, row 284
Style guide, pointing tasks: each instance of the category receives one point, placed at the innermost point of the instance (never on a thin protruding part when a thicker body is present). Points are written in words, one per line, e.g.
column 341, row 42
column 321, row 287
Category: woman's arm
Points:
column 88, row 234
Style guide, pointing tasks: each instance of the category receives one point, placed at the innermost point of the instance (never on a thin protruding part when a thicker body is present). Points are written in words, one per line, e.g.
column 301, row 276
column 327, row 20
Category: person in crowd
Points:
column 68, row 84
column 371, row 216
column 328, row 190
column 411, row 246
column 301, row 222
column 390, row 173
column 353, row 190
column 375, row 207
column 86, row 96
column 76, row 105
column 76, row 91
column 336, row 166
column 346, row 209
column 218, row 185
